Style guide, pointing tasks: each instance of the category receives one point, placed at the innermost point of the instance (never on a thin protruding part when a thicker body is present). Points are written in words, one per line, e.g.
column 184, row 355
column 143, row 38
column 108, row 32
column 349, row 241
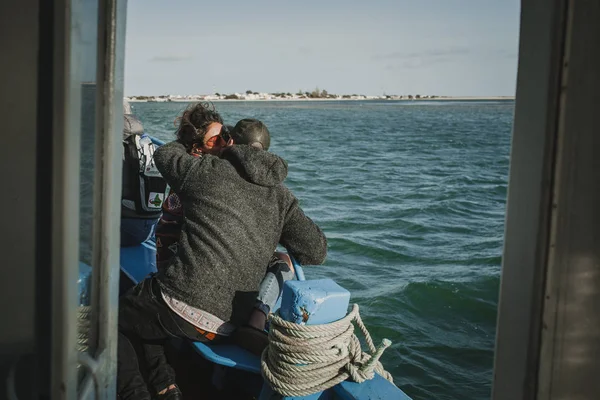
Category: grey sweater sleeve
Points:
column 174, row 163
column 302, row 238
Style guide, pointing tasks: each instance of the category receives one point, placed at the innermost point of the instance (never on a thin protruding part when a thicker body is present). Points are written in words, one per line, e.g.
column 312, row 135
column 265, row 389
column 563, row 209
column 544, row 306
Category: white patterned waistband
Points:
column 199, row 318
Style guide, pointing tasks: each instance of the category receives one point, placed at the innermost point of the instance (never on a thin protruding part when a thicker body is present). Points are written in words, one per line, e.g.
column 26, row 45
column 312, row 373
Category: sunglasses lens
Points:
column 211, row 142
column 225, row 134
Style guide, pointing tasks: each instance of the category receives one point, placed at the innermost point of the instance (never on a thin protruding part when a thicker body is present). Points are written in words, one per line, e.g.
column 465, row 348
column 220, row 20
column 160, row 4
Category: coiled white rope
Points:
column 84, row 325
column 305, row 359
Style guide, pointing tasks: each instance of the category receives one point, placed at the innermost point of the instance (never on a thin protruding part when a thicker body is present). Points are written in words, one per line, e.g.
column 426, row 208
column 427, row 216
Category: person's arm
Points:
column 302, row 238
column 175, row 164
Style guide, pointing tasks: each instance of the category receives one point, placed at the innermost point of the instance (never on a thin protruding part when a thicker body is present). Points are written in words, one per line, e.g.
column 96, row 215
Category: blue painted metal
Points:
column 229, row 356
column 268, row 394
column 137, row 262
column 373, row 389
column 156, row 141
column 298, row 269
column 314, row 302
column 299, row 272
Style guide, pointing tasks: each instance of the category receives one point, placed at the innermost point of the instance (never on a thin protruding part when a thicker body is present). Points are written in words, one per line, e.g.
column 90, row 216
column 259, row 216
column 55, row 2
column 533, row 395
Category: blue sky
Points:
column 443, row 47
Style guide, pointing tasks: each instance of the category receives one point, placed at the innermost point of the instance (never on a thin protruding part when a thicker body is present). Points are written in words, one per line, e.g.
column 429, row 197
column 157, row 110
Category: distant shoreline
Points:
column 153, row 99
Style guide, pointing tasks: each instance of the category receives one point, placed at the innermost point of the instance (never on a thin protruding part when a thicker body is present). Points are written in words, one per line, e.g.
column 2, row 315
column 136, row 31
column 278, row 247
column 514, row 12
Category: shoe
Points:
column 251, row 339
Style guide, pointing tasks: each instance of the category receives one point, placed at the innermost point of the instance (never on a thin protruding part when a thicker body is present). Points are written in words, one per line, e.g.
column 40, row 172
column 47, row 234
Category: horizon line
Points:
column 254, row 96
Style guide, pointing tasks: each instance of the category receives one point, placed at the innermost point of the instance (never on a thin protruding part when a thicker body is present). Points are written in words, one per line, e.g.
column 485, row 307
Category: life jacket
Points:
column 144, row 189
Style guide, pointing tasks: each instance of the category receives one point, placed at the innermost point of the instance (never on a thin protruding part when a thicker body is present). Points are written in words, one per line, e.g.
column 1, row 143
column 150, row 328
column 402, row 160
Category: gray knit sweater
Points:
column 236, row 211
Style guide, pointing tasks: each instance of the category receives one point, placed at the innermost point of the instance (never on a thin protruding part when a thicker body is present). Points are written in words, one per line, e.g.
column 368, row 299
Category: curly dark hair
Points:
column 194, row 121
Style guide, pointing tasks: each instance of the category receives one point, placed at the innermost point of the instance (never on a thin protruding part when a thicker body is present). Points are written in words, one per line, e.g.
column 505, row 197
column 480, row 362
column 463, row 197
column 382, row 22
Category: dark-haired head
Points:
column 251, row 132
column 194, row 123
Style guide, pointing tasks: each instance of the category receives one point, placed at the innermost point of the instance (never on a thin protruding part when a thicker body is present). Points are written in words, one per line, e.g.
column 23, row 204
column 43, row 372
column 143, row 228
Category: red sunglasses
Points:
column 224, row 136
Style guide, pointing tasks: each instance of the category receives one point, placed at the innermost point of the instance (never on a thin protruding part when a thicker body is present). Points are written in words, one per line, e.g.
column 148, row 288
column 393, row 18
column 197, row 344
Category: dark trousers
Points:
column 145, row 318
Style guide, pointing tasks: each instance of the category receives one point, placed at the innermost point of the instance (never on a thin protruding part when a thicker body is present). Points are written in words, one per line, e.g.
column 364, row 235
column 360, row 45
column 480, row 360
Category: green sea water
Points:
column 411, row 196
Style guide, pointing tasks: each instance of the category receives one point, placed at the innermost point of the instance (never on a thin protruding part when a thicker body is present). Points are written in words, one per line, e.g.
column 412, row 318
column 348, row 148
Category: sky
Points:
column 428, row 47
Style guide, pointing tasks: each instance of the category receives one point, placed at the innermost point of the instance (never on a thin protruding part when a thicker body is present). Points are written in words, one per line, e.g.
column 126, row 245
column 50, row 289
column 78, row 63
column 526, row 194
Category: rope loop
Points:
column 304, row 359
